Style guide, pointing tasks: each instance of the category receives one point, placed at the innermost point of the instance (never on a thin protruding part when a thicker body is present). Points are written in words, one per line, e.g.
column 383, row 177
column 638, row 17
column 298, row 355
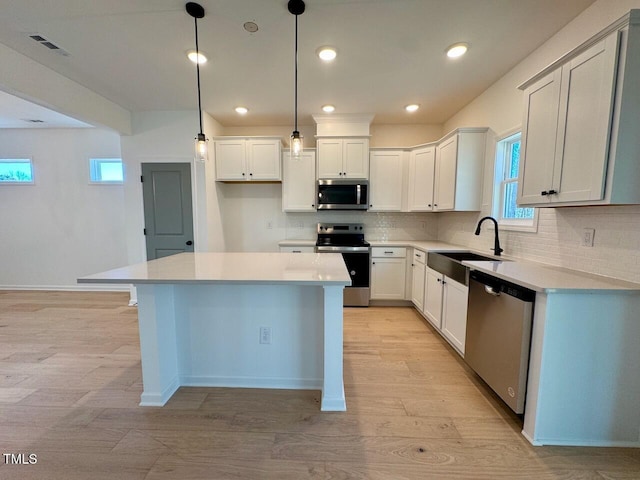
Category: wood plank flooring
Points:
column 70, row 382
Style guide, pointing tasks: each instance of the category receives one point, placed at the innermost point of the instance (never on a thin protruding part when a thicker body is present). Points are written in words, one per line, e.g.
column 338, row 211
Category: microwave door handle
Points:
column 358, row 195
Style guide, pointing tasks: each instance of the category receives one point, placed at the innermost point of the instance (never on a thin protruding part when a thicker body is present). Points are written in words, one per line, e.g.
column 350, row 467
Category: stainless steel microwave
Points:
column 343, row 194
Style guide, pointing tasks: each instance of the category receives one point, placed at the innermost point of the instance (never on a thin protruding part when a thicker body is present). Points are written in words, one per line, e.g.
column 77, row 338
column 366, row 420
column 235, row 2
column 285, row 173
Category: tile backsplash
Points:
column 379, row 226
column 615, row 253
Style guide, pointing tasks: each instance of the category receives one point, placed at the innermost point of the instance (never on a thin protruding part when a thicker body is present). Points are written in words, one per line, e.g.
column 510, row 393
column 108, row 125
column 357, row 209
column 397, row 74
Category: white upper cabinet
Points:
column 386, row 180
column 343, row 158
column 247, row 158
column 422, row 165
column 458, row 173
column 580, row 126
column 299, row 182
column 566, row 131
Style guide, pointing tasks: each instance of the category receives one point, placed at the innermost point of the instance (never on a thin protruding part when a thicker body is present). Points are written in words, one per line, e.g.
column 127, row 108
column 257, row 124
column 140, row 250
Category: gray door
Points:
column 168, row 216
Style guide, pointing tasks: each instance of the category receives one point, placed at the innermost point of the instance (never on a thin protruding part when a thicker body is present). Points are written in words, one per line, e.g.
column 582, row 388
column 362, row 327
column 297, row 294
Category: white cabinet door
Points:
column 230, row 158
column 385, row 186
column 586, row 103
column 343, row 158
column 329, row 158
column 418, row 284
column 421, row 175
column 264, row 159
column 356, row 158
column 454, row 312
column 567, row 127
column 433, row 297
column 542, row 101
column 445, row 174
column 299, row 183
column 388, row 278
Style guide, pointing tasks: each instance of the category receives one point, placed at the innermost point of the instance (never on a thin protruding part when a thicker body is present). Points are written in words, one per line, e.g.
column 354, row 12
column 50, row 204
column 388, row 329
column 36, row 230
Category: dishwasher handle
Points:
column 496, row 286
column 489, row 289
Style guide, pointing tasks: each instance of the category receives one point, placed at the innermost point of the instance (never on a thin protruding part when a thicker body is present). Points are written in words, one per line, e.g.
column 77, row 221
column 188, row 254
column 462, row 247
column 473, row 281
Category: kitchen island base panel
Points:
column 209, row 335
column 584, row 389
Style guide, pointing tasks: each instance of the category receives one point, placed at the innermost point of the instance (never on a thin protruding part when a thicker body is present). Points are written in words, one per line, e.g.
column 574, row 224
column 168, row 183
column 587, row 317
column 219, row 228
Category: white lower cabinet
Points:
column 418, row 279
column 388, row 271
column 445, row 306
column 454, row 312
column 433, row 297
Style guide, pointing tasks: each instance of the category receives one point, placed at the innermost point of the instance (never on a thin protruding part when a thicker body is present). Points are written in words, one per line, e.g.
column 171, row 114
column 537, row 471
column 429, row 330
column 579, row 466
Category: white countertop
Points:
column 550, row 279
column 244, row 268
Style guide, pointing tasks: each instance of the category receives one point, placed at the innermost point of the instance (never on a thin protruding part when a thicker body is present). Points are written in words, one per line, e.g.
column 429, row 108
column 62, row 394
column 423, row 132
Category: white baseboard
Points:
column 251, row 382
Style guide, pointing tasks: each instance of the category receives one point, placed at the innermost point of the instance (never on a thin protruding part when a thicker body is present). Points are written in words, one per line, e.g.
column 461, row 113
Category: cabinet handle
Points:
column 373, row 263
column 544, row 193
column 243, row 174
column 251, row 174
column 297, row 251
column 552, row 192
column 390, row 253
column 440, row 281
column 429, row 205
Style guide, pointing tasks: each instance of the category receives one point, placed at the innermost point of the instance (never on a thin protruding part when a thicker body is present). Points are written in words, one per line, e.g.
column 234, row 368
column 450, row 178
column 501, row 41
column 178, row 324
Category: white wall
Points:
column 617, row 239
column 62, row 227
column 168, row 136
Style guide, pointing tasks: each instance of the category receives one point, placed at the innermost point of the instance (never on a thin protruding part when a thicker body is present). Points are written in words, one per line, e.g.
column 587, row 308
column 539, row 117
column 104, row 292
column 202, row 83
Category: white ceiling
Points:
column 18, row 113
column 390, row 52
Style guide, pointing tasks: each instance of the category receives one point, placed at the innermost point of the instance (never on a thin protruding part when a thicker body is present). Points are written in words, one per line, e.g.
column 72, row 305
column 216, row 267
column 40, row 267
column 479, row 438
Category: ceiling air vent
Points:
column 50, row 45
column 33, row 120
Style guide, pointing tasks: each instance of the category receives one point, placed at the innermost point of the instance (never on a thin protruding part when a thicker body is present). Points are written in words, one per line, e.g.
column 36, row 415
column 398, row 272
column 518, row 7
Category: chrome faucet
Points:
column 496, row 245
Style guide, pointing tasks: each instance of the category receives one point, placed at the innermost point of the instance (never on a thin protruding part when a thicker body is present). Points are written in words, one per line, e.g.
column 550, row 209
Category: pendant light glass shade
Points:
column 201, row 150
column 296, row 7
column 296, row 144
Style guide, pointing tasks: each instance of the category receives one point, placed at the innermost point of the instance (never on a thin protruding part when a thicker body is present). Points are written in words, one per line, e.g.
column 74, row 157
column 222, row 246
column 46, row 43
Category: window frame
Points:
column 94, row 170
column 503, row 141
column 19, row 159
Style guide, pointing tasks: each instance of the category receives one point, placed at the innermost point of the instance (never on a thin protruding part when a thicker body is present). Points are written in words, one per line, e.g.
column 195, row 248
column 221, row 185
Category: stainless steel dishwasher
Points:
column 498, row 338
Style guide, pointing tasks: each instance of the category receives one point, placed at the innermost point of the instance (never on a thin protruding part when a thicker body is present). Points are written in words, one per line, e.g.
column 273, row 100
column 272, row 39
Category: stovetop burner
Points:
column 341, row 234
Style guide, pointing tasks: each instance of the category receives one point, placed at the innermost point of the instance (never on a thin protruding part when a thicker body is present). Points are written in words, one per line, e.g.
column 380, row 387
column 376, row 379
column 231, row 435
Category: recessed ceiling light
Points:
column 201, row 57
column 328, row 108
column 242, row 110
column 327, row 53
column 251, row 27
column 457, row 50
column 412, row 108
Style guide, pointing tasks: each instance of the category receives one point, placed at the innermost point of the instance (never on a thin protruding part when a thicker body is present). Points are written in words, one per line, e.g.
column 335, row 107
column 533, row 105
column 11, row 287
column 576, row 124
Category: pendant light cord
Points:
column 198, row 74
column 296, row 82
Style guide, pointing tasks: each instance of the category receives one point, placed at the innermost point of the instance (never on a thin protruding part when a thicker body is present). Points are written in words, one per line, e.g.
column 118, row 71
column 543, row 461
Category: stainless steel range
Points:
column 348, row 239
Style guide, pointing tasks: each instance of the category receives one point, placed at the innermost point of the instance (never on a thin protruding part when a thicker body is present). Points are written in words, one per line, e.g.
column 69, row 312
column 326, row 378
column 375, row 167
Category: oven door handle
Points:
column 341, row 249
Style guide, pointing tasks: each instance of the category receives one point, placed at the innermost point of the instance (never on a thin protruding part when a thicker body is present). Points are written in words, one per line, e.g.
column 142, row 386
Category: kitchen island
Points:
column 261, row 320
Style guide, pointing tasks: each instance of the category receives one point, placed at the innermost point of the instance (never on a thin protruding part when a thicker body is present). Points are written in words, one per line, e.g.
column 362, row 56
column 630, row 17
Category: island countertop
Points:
column 232, row 267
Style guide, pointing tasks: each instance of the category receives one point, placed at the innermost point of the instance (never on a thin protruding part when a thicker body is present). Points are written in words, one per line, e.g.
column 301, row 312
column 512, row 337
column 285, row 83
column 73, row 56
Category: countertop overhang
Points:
column 251, row 268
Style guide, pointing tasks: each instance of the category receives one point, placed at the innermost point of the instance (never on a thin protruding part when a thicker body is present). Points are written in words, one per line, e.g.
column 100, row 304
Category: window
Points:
column 509, row 215
column 106, row 170
column 16, row 170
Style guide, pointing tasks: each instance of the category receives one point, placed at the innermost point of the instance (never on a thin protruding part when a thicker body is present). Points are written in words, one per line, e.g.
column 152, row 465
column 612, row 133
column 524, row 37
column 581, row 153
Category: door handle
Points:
column 189, row 242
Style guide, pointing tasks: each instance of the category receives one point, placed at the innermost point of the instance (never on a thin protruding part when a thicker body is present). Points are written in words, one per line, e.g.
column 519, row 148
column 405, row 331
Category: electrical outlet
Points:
column 269, row 224
column 587, row 237
column 265, row 335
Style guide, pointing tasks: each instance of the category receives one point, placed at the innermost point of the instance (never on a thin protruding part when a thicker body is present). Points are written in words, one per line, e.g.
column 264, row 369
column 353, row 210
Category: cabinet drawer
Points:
column 388, row 252
column 419, row 256
column 298, row 249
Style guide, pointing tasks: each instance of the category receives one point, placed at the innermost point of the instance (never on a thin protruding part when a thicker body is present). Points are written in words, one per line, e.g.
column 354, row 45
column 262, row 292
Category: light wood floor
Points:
column 70, row 382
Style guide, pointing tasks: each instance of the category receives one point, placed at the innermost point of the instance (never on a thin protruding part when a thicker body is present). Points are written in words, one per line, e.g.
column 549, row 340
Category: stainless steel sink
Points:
column 461, row 256
column 450, row 263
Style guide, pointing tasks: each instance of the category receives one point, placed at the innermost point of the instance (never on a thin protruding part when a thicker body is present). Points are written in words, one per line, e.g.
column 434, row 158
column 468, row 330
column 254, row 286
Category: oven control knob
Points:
column 352, row 272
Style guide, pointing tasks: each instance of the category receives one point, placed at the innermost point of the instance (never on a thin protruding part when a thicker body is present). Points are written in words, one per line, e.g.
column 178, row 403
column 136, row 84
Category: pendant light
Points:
column 296, row 7
column 196, row 11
